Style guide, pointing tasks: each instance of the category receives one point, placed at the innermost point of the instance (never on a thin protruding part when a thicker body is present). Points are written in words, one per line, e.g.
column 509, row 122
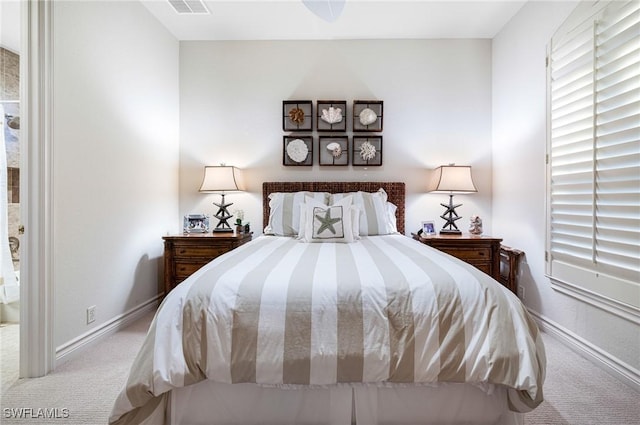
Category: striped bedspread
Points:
column 277, row 311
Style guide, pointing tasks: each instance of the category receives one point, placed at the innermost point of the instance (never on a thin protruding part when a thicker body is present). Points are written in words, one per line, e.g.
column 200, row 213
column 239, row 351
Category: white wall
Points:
column 519, row 147
column 115, row 137
column 437, row 110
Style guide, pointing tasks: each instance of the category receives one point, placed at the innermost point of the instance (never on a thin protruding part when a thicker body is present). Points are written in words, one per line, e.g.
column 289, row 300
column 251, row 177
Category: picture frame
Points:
column 293, row 149
column 368, row 115
column 297, row 115
column 325, row 117
column 195, row 223
column 359, row 142
column 326, row 156
column 428, row 228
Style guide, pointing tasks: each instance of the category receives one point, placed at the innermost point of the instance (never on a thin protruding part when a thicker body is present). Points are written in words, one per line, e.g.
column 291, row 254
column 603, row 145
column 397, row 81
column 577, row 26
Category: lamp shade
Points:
column 222, row 178
column 452, row 179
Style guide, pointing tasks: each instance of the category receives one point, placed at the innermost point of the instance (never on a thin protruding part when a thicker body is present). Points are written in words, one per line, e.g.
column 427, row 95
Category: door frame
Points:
column 37, row 350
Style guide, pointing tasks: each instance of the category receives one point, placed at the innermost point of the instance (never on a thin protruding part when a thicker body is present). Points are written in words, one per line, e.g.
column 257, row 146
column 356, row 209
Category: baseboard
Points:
column 610, row 364
column 76, row 346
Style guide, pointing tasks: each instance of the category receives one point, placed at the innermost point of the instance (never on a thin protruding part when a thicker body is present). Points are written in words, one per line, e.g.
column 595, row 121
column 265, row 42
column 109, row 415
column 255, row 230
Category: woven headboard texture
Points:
column 395, row 192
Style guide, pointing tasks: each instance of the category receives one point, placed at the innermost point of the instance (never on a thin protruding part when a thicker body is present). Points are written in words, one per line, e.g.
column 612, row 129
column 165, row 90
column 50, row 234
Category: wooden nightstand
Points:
column 184, row 254
column 480, row 251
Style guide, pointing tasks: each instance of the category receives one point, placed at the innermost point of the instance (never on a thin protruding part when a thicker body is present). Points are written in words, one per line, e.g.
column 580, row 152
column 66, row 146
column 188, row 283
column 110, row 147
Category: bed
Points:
column 366, row 327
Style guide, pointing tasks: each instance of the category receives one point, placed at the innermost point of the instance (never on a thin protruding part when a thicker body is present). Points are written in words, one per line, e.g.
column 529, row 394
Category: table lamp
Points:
column 452, row 179
column 220, row 179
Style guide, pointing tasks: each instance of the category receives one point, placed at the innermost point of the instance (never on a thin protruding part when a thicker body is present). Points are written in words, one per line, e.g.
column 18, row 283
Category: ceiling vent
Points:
column 189, row 7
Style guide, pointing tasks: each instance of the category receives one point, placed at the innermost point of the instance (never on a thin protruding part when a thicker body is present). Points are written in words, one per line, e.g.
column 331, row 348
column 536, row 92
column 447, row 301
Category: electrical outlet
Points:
column 521, row 292
column 91, row 314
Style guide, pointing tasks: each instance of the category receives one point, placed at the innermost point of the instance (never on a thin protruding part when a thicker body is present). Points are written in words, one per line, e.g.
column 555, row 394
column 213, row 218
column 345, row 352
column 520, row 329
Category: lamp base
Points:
column 222, row 230
column 450, row 216
column 223, row 215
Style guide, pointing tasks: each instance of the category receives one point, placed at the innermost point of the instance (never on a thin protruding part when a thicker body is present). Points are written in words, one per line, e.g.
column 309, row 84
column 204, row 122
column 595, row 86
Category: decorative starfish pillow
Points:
column 329, row 223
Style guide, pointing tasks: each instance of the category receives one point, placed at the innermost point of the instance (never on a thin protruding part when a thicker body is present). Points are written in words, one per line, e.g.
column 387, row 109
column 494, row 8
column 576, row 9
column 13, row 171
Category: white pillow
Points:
column 391, row 216
column 374, row 212
column 328, row 223
column 284, row 211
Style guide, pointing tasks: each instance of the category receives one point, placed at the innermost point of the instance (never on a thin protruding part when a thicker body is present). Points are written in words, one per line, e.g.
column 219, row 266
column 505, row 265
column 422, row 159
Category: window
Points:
column 593, row 237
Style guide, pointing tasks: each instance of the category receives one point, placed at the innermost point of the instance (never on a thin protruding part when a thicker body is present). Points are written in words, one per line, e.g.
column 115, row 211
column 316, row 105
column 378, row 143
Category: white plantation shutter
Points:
column 594, row 152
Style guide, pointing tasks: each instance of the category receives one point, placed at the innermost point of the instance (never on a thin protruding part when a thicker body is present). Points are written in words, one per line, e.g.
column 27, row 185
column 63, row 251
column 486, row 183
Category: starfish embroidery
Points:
column 327, row 222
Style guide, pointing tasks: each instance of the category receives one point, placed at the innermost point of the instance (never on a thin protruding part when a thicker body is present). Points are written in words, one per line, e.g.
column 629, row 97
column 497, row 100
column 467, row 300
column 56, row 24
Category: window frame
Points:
column 618, row 294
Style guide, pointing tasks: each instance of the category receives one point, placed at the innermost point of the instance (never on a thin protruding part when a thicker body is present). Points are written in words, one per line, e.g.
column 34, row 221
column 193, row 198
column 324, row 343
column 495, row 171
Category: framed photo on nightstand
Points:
column 428, row 228
column 195, row 223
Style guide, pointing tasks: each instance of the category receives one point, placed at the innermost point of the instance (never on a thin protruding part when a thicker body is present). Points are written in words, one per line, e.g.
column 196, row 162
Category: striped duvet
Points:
column 388, row 309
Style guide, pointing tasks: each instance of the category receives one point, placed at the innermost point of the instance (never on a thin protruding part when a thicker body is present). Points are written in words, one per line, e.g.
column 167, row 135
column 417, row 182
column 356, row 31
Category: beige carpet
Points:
column 87, row 386
column 577, row 392
column 9, row 349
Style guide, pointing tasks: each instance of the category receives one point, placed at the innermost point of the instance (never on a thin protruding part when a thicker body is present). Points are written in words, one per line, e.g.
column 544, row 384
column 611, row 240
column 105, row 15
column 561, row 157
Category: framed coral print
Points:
column 367, row 150
column 331, row 115
column 367, row 115
column 297, row 115
column 333, row 150
column 297, row 150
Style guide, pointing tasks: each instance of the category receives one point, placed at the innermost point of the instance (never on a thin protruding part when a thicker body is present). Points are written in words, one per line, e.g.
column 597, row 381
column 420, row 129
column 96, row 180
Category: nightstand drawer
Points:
column 184, row 270
column 200, row 251
column 484, row 266
column 469, row 254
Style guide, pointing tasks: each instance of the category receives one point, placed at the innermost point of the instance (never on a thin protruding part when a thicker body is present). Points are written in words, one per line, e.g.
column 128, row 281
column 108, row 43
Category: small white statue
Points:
column 475, row 225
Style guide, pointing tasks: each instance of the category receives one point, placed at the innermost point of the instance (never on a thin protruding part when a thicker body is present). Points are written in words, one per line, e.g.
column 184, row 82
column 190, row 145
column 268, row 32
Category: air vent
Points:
column 191, row 7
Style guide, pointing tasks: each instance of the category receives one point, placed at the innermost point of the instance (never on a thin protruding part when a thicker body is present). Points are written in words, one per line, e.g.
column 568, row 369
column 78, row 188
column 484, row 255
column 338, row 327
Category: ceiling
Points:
column 360, row 19
column 292, row 20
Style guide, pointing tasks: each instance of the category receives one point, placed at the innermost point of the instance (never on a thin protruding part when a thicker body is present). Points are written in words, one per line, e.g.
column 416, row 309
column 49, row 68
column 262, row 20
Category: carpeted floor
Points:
column 86, row 386
column 576, row 391
column 9, row 346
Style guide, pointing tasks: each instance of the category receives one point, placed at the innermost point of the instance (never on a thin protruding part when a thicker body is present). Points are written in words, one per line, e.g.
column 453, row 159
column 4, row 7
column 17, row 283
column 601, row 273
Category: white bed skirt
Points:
column 210, row 403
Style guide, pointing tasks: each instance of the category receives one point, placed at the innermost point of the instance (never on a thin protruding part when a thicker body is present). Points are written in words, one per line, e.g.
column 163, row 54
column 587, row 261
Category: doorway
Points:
column 10, row 207
column 27, row 25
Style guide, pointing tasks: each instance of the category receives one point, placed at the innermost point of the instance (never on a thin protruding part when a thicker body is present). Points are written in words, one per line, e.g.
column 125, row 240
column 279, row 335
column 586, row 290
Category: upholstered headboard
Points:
column 395, row 192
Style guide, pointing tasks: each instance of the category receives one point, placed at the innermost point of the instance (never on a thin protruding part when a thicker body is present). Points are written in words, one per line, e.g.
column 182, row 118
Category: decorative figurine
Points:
column 475, row 225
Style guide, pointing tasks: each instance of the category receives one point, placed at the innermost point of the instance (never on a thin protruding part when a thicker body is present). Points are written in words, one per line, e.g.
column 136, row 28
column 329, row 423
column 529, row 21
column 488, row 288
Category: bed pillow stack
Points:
column 295, row 214
column 284, row 211
column 377, row 216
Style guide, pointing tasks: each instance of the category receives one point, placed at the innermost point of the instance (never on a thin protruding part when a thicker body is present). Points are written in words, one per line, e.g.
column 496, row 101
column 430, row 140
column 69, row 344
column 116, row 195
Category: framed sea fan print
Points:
column 367, row 150
column 297, row 150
